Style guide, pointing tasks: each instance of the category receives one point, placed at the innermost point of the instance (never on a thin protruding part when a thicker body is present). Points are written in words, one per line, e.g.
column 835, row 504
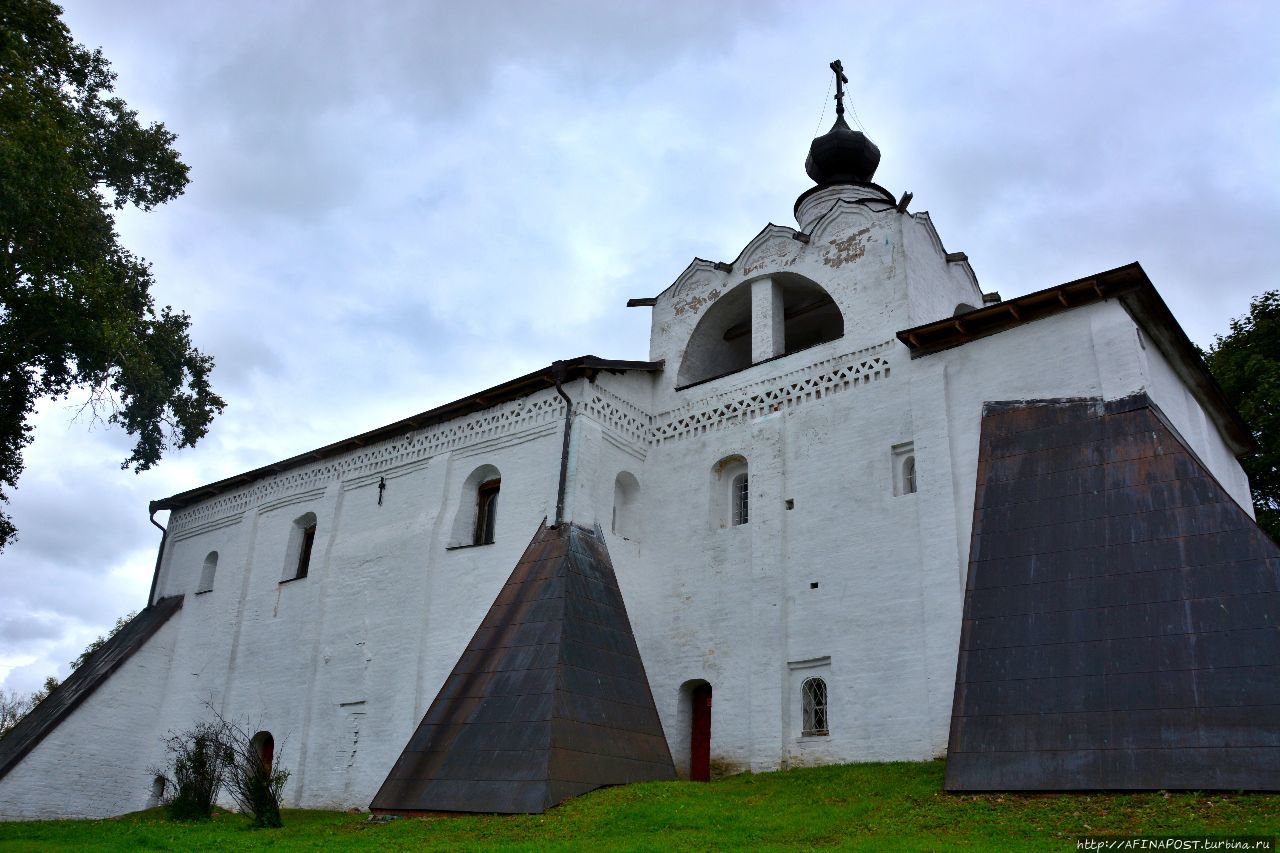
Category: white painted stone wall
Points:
column 96, row 764
column 836, row 574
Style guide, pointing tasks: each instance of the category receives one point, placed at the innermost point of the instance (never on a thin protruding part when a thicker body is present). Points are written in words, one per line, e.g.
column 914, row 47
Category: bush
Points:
column 219, row 753
column 255, row 778
column 197, row 769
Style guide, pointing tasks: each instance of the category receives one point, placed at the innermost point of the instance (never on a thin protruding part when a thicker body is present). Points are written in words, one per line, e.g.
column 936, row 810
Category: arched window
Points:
column 626, row 497
column 476, row 521
column 813, row 699
column 730, row 492
column 302, row 540
column 207, row 572
column 904, row 468
column 486, row 511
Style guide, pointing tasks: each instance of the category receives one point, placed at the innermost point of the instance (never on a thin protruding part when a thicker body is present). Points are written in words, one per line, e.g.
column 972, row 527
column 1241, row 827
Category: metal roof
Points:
column 587, row 366
column 1120, row 612
column 1131, row 286
column 549, row 700
column 66, row 697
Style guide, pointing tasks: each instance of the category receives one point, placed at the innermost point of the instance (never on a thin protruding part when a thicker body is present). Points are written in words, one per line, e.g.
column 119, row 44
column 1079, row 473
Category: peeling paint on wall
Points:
column 694, row 303
column 847, row 249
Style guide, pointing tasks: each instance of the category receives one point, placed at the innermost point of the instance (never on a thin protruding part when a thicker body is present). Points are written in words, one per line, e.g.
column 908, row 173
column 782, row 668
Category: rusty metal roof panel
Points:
column 549, row 699
column 1119, row 617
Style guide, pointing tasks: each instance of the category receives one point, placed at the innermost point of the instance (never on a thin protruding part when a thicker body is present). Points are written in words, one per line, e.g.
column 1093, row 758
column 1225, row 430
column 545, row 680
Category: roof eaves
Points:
column 588, row 366
column 1134, row 289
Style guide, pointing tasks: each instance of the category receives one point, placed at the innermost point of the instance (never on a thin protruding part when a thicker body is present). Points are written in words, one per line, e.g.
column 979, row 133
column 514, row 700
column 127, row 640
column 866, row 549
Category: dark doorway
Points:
column 700, row 738
column 264, row 746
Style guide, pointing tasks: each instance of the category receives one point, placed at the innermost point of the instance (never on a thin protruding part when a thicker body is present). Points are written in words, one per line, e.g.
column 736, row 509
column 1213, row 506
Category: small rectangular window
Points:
column 304, row 555
column 739, row 496
column 486, row 512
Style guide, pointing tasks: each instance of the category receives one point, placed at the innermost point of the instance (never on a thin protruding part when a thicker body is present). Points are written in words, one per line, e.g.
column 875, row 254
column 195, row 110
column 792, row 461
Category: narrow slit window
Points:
column 814, row 701
column 304, row 554
column 904, row 468
column 738, row 495
column 486, row 512
column 297, row 557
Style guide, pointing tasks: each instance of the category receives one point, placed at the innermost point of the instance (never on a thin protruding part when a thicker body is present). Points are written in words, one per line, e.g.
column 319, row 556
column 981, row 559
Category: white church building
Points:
column 787, row 494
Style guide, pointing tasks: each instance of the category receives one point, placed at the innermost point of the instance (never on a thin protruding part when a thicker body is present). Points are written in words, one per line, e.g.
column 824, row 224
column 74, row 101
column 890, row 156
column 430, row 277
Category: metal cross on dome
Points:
column 840, row 81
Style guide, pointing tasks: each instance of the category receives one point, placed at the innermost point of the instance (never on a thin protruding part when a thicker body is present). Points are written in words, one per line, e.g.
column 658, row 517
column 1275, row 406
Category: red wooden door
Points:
column 700, row 739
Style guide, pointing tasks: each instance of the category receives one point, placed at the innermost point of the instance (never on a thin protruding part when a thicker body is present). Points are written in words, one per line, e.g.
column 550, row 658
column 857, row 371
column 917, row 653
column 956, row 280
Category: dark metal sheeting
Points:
column 59, row 704
column 548, row 701
column 1122, row 616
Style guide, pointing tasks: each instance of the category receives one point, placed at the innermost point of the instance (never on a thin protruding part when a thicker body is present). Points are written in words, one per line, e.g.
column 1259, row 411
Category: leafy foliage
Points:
column 1246, row 363
column 94, row 645
column 76, row 310
column 254, row 782
column 219, row 754
column 197, row 768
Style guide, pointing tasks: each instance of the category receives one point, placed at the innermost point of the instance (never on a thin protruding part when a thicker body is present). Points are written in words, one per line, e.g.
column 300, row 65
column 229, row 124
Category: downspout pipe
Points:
column 558, row 373
column 164, row 537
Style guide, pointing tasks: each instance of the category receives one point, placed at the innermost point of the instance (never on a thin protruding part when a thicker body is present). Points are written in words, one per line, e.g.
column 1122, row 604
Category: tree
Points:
column 94, row 645
column 13, row 707
column 76, row 310
column 1246, row 363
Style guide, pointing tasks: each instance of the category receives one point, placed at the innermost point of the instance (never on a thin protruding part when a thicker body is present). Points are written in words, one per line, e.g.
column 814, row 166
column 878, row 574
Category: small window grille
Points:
column 814, row 700
column 909, row 475
column 738, row 496
column 486, row 512
column 304, row 555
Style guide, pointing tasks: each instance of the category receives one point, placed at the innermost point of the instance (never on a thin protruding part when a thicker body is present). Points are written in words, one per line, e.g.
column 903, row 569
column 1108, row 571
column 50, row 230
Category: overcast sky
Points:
column 394, row 204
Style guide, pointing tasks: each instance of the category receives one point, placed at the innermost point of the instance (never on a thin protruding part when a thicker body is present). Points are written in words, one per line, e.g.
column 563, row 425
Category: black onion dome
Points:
column 842, row 156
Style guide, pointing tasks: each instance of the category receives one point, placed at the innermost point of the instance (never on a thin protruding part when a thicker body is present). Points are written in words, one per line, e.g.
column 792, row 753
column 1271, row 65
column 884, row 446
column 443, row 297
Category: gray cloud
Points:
column 395, row 204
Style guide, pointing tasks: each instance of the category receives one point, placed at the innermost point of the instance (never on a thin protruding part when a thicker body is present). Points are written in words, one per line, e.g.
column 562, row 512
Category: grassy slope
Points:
column 857, row 807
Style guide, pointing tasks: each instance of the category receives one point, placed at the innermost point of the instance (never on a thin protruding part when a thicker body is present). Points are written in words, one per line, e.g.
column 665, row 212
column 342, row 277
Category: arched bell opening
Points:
column 756, row 321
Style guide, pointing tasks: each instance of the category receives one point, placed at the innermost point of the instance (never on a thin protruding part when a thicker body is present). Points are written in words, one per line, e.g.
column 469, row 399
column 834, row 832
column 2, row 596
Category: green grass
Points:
column 853, row 807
